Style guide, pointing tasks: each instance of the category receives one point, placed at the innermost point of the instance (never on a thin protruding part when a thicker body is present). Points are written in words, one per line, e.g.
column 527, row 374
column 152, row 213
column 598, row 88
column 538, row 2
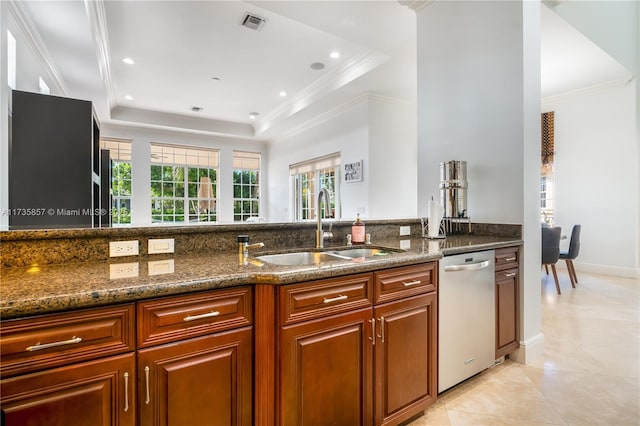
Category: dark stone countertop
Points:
column 54, row 288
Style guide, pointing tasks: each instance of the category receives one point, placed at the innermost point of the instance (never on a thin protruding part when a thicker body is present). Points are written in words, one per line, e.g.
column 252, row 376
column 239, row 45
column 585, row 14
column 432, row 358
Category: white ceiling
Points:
column 180, row 46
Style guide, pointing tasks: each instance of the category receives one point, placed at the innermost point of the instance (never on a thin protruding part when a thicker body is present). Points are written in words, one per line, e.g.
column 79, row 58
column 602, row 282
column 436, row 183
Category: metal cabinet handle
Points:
column 510, row 259
column 146, row 377
column 381, row 335
column 38, row 346
column 410, row 283
column 510, row 274
column 126, row 392
column 335, row 299
column 201, row 316
column 373, row 332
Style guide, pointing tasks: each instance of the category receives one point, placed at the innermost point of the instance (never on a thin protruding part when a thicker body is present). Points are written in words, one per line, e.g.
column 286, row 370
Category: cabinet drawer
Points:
column 405, row 281
column 315, row 299
column 180, row 317
column 506, row 274
column 507, row 258
column 37, row 343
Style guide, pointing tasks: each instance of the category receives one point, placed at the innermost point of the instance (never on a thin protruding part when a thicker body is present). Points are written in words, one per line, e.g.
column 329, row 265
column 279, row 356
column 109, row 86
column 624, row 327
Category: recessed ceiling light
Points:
column 283, row 94
column 128, row 61
column 128, row 97
column 253, row 115
column 335, row 54
column 317, row 66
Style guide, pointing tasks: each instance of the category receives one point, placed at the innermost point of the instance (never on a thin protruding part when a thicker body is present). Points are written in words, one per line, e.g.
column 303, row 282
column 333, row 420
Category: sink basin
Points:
column 299, row 258
column 362, row 252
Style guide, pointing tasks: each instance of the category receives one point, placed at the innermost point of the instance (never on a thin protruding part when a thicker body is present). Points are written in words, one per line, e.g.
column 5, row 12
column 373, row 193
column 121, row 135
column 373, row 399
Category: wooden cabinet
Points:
column 54, row 163
column 327, row 371
column 193, row 364
column 69, row 369
column 507, row 300
column 347, row 360
column 405, row 358
column 204, row 380
column 99, row 392
column 196, row 363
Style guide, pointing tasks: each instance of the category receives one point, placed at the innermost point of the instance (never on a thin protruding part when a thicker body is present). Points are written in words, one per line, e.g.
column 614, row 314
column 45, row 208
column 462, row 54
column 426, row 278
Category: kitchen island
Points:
column 277, row 331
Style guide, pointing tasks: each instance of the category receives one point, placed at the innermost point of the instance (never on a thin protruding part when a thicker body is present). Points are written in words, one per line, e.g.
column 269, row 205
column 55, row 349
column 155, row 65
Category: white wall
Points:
column 596, row 175
column 142, row 138
column 378, row 130
column 392, row 159
column 477, row 102
column 470, row 104
column 345, row 131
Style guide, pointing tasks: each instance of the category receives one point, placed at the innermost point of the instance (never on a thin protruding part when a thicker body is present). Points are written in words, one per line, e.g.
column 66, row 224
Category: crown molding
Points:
column 331, row 81
column 18, row 11
column 416, row 5
column 341, row 109
column 587, row 90
column 98, row 25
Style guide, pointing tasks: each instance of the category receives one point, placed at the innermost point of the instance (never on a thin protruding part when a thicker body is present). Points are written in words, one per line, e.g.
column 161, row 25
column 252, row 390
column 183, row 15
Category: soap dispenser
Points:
column 357, row 231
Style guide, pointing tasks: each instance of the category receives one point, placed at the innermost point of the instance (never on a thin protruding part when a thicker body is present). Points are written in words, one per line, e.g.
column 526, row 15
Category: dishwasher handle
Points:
column 467, row 266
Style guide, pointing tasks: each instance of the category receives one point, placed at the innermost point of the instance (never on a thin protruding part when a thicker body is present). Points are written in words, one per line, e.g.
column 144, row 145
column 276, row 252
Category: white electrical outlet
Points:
column 159, row 267
column 161, row 246
column 405, row 230
column 123, row 248
column 405, row 244
column 123, row 270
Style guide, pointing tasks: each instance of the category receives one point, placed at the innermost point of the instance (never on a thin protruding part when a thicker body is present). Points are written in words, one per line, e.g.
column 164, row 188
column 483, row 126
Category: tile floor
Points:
column 589, row 374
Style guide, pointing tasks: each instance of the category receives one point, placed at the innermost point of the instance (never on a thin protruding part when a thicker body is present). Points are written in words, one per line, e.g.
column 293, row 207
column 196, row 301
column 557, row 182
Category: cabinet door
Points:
column 96, row 393
column 200, row 381
column 405, row 358
column 326, row 371
column 506, row 311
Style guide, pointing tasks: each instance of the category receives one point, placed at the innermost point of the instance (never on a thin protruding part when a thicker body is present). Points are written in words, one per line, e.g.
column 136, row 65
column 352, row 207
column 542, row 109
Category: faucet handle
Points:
column 243, row 238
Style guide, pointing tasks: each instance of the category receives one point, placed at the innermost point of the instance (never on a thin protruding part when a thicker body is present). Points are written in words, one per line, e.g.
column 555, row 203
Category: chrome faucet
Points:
column 321, row 235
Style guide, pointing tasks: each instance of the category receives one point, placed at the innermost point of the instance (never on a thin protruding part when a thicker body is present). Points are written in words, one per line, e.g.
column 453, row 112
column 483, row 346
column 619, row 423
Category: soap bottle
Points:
column 357, row 231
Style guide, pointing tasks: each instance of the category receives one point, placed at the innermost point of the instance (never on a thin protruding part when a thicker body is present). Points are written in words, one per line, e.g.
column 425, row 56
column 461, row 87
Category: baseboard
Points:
column 529, row 350
column 593, row 268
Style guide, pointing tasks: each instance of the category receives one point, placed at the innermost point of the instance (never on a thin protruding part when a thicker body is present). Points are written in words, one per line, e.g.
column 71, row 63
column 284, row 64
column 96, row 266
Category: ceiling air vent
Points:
column 252, row 21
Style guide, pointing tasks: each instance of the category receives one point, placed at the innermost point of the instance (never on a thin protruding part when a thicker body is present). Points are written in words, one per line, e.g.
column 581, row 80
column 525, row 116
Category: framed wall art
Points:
column 353, row 172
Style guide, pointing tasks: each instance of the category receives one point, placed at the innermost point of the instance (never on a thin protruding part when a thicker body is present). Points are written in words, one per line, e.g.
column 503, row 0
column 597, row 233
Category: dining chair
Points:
column 551, row 251
column 570, row 255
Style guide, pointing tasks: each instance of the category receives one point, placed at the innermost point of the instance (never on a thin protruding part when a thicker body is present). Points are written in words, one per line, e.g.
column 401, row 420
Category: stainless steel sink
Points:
column 362, row 252
column 300, row 258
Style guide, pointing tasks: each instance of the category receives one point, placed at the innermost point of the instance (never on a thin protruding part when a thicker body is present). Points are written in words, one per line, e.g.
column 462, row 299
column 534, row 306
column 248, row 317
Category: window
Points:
column 184, row 184
column 11, row 60
column 308, row 178
column 120, row 152
column 246, row 185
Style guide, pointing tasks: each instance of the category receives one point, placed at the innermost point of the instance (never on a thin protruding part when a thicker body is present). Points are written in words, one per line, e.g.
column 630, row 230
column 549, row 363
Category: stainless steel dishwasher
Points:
column 466, row 316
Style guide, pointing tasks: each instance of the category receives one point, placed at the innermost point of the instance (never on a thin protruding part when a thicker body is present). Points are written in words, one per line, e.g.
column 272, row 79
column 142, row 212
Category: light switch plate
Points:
column 161, row 246
column 405, row 230
column 405, row 244
column 123, row 248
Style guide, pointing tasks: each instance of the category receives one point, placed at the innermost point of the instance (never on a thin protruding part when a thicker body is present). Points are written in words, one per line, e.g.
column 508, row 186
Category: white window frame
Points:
column 204, row 203
column 245, row 161
column 120, row 153
column 315, row 171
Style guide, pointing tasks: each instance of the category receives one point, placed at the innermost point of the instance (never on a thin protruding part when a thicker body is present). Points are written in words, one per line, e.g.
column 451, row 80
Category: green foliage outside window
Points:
column 121, row 192
column 246, row 194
